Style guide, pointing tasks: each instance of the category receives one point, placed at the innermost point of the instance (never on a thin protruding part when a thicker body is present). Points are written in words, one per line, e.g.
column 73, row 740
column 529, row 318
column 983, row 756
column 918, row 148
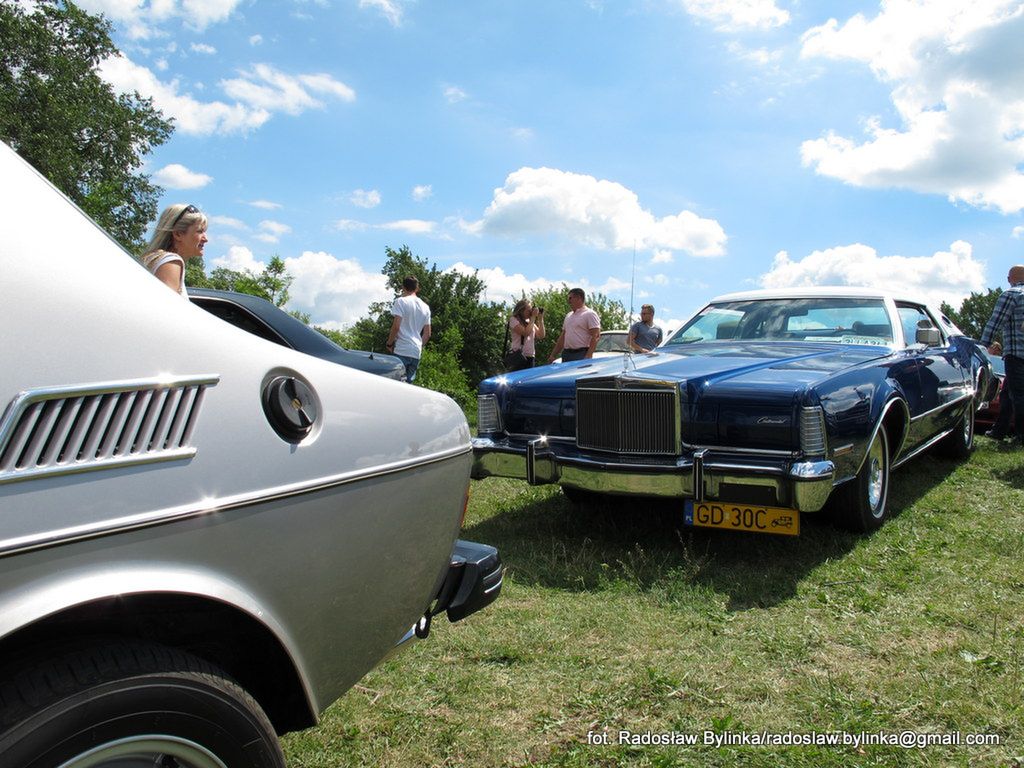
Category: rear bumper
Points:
column 701, row 474
column 472, row 582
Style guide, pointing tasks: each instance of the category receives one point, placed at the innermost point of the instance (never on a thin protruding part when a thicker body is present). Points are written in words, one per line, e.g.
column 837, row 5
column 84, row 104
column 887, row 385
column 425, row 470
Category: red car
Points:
column 988, row 411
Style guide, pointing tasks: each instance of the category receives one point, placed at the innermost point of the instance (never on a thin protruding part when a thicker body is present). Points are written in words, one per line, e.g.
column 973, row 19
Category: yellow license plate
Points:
column 742, row 517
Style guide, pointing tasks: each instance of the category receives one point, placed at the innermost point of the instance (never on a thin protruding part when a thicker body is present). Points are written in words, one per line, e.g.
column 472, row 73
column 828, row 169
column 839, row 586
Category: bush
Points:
column 440, row 370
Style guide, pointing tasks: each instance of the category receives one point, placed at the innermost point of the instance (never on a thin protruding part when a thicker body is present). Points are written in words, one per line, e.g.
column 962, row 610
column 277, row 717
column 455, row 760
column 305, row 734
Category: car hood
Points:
column 763, row 368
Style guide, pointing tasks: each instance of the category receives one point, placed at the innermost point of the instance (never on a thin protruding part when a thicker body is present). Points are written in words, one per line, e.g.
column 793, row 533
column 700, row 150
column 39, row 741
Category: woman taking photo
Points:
column 526, row 326
column 180, row 235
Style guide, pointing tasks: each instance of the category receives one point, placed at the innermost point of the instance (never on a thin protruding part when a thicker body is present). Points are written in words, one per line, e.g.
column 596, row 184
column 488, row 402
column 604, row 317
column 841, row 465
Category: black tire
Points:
column 959, row 443
column 122, row 705
column 863, row 503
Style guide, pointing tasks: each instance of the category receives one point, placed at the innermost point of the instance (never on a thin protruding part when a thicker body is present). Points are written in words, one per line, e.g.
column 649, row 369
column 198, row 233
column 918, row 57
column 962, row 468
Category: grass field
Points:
column 617, row 619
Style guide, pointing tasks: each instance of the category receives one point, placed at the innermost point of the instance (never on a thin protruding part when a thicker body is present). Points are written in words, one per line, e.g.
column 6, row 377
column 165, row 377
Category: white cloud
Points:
column 266, row 205
column 454, row 94
column 190, row 115
column 509, row 288
column 599, row 213
column 421, row 192
column 264, row 87
column 391, row 9
column 503, row 287
column 203, row 48
column 240, row 259
column 957, row 77
column 227, row 221
column 350, row 225
column 760, row 56
column 365, row 199
column 258, row 94
column 738, row 14
column 412, row 226
column 944, row 276
column 333, row 290
column 522, row 134
column 255, row 39
column 1018, row 232
column 141, row 20
column 662, row 257
column 177, row 176
column 271, row 231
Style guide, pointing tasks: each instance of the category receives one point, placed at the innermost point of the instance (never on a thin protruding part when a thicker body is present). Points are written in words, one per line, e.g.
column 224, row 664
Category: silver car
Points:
column 206, row 538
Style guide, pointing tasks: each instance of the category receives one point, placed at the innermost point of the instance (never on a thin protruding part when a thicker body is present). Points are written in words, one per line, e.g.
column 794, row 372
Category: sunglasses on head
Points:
column 186, row 209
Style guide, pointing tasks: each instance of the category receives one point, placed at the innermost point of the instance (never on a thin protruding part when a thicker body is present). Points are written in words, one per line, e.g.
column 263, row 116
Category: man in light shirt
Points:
column 644, row 335
column 580, row 330
column 410, row 328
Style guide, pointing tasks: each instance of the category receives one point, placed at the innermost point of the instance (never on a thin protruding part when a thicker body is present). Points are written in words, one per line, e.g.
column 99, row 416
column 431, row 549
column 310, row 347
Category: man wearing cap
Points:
column 1008, row 319
column 580, row 330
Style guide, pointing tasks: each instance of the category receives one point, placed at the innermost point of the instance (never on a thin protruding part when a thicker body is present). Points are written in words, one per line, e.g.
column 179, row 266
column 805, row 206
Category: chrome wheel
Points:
column 876, row 478
column 146, row 751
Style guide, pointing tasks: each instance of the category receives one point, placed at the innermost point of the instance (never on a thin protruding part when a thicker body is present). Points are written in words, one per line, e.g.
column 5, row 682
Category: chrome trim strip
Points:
column 966, row 396
column 921, row 448
column 893, row 450
column 111, row 463
column 215, row 505
column 752, row 451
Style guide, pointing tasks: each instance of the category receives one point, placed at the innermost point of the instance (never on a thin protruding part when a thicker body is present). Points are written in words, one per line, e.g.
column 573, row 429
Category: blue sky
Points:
column 733, row 144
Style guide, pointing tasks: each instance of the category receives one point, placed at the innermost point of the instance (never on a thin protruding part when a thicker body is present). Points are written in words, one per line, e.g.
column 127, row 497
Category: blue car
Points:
column 762, row 407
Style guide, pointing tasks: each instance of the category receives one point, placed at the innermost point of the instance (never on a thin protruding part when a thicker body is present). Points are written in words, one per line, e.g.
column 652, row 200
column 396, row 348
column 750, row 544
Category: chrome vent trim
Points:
column 812, row 431
column 61, row 430
column 637, row 420
column 488, row 416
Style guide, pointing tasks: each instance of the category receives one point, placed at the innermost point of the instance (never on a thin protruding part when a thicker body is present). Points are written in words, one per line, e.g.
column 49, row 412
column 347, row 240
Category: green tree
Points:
column 440, row 371
column 455, row 301
column 974, row 311
column 270, row 283
column 555, row 301
column 59, row 115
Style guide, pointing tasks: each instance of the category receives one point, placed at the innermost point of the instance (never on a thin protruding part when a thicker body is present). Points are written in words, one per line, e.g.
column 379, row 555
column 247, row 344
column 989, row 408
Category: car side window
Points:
column 910, row 316
column 239, row 318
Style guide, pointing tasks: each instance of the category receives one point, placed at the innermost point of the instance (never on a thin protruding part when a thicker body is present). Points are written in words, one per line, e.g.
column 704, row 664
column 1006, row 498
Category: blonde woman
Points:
column 526, row 326
column 180, row 235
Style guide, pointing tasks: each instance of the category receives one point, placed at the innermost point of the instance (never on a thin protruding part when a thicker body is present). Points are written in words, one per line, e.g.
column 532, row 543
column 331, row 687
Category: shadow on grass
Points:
column 632, row 545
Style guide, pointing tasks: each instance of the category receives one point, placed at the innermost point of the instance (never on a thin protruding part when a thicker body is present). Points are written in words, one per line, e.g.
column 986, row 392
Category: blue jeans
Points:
column 411, row 364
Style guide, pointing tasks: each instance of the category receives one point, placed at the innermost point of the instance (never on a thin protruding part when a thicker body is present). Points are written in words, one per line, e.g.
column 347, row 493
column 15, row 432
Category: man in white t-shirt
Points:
column 410, row 328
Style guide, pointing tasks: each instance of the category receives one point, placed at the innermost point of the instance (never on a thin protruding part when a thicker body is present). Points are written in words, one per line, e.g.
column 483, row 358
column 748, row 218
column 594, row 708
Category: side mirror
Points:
column 927, row 334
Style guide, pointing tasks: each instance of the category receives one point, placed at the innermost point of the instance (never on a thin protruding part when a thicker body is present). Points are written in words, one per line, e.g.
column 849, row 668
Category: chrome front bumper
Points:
column 700, row 475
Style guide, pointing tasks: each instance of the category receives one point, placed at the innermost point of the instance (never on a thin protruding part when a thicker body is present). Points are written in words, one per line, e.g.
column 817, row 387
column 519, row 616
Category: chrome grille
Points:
column 637, row 420
column 488, row 417
column 76, row 429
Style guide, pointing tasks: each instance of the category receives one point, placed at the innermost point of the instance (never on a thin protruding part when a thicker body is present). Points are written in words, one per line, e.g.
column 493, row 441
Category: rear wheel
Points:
column 863, row 502
column 132, row 705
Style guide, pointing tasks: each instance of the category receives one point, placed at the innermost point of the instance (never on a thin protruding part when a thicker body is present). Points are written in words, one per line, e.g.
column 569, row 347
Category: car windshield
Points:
column 612, row 341
column 835, row 320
